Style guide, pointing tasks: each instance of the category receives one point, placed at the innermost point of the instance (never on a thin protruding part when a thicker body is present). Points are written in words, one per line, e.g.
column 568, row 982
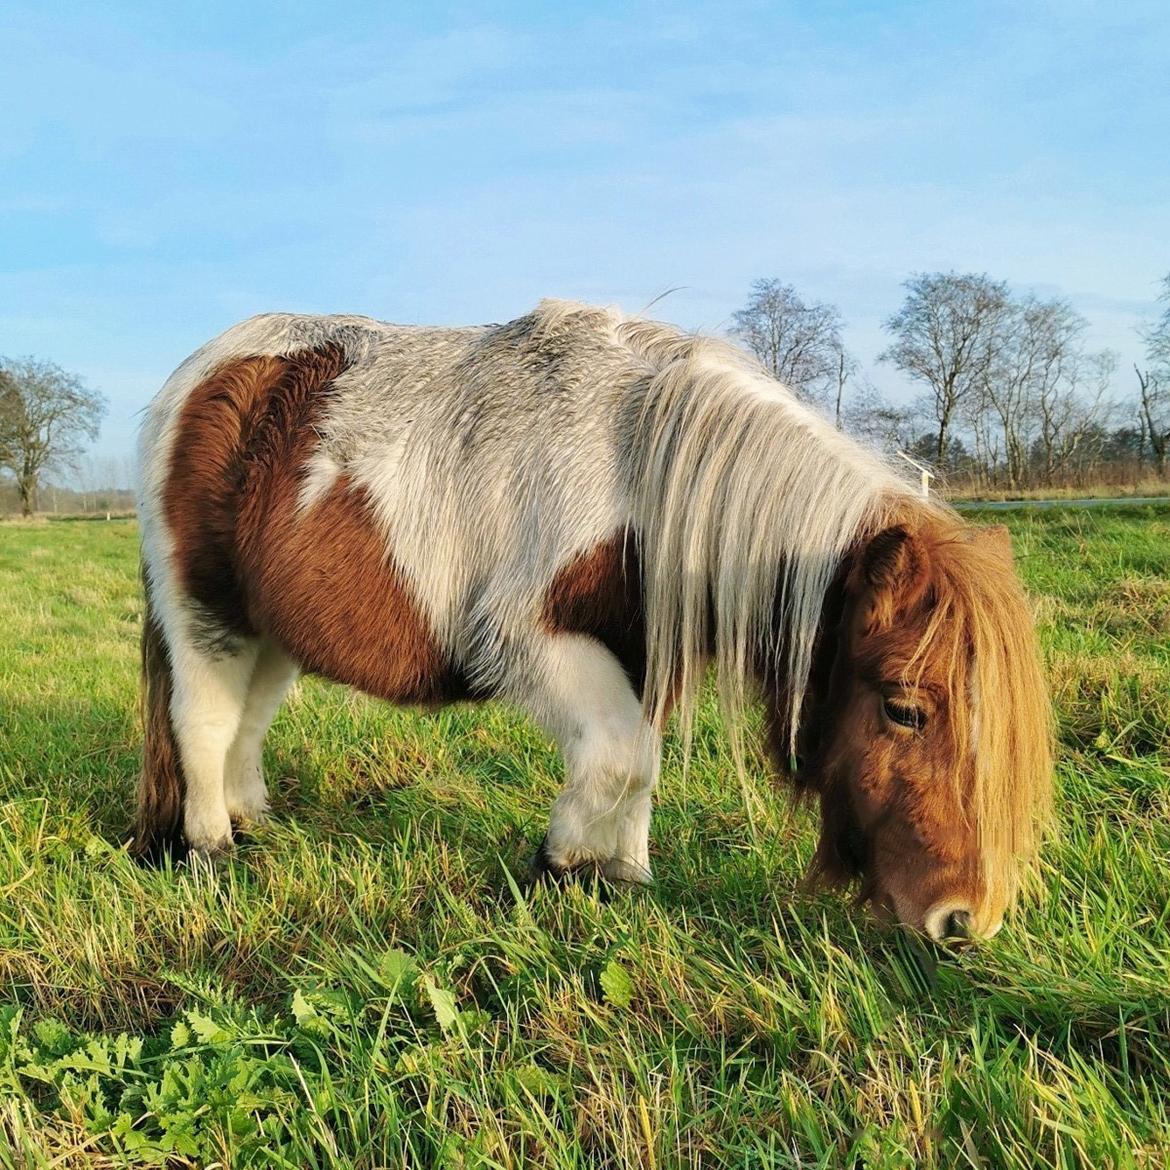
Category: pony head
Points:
column 925, row 729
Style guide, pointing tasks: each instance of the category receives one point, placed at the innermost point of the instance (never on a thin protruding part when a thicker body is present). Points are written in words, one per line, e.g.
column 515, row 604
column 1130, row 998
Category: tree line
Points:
column 1011, row 395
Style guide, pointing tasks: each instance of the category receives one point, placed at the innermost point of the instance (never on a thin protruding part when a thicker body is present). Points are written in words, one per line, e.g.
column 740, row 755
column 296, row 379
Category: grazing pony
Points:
column 579, row 512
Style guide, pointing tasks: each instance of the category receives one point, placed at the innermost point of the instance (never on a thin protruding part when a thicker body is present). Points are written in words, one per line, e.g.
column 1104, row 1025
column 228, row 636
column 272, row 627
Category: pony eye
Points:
column 905, row 714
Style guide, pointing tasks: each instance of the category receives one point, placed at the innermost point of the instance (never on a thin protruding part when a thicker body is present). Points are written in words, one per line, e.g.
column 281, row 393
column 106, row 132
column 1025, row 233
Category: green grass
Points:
column 368, row 983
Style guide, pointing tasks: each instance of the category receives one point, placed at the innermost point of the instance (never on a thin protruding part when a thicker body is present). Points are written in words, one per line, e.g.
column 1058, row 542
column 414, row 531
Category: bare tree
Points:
column 99, row 482
column 978, row 420
column 1031, row 380
column 1154, row 383
column 887, row 425
column 1071, row 412
column 87, row 480
column 846, row 368
column 44, row 414
column 9, row 415
column 1152, row 408
column 799, row 343
column 944, row 337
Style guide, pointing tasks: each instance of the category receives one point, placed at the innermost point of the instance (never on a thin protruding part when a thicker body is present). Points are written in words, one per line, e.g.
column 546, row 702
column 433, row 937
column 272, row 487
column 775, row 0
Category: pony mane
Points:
column 745, row 500
column 981, row 639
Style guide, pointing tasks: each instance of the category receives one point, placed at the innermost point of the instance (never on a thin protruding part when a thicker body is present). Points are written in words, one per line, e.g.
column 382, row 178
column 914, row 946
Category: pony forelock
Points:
column 982, row 636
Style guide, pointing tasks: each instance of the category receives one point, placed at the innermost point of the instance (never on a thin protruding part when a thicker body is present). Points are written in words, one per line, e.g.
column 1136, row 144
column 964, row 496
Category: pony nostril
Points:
column 959, row 924
column 945, row 920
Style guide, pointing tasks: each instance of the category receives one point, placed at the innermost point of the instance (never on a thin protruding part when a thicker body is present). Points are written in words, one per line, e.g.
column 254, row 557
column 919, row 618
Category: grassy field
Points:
column 368, row 983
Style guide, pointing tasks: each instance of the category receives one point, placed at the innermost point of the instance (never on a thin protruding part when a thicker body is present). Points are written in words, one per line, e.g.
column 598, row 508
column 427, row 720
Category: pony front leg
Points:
column 631, row 862
column 601, row 819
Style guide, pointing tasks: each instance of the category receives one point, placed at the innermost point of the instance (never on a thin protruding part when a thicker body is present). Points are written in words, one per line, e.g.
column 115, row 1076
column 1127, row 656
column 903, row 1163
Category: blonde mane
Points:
column 745, row 500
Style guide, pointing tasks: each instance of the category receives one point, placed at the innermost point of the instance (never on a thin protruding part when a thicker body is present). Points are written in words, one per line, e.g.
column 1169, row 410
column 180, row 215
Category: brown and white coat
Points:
column 575, row 512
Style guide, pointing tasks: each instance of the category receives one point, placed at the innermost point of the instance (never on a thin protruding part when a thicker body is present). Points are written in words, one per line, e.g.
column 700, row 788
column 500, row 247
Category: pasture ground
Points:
column 367, row 983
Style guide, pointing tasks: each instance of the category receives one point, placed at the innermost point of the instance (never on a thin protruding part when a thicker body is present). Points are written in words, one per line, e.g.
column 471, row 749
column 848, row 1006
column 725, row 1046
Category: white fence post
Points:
column 925, row 472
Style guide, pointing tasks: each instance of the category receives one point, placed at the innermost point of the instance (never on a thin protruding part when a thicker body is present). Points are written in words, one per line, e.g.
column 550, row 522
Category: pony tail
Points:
column 161, row 787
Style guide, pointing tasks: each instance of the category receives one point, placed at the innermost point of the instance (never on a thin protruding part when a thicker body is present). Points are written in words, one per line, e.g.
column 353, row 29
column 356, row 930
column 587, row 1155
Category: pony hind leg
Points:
column 601, row 819
column 207, row 704
column 245, row 792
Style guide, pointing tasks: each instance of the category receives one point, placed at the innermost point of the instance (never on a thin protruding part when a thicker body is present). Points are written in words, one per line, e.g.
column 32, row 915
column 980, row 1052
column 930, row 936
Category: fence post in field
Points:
column 925, row 472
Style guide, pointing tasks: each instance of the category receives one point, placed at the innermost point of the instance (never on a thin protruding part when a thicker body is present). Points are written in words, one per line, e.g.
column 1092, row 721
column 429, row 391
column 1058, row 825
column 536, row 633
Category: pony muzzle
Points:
column 953, row 921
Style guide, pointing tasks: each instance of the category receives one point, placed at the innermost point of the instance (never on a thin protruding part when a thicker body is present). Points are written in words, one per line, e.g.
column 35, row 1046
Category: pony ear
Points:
column 894, row 559
column 997, row 537
column 893, row 568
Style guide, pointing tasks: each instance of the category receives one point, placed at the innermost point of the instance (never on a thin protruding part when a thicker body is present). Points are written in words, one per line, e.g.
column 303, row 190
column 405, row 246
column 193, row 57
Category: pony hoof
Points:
column 207, row 857
column 209, row 850
column 248, row 815
column 199, row 865
column 587, row 873
column 541, row 867
column 208, row 831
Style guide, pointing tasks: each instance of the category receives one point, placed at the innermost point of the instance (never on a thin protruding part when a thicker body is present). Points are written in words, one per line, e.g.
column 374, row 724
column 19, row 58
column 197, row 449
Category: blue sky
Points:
column 168, row 169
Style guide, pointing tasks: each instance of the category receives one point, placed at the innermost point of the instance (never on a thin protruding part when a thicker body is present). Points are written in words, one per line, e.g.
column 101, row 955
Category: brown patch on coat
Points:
column 599, row 594
column 320, row 581
column 237, row 441
column 325, row 586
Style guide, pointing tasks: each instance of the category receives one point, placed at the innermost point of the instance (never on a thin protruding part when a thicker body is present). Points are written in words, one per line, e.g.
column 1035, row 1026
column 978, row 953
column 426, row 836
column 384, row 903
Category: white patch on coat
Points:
column 245, row 792
column 208, row 701
column 319, row 474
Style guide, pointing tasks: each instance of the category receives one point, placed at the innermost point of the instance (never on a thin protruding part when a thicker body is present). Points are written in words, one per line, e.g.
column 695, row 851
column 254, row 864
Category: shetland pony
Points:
column 579, row 513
